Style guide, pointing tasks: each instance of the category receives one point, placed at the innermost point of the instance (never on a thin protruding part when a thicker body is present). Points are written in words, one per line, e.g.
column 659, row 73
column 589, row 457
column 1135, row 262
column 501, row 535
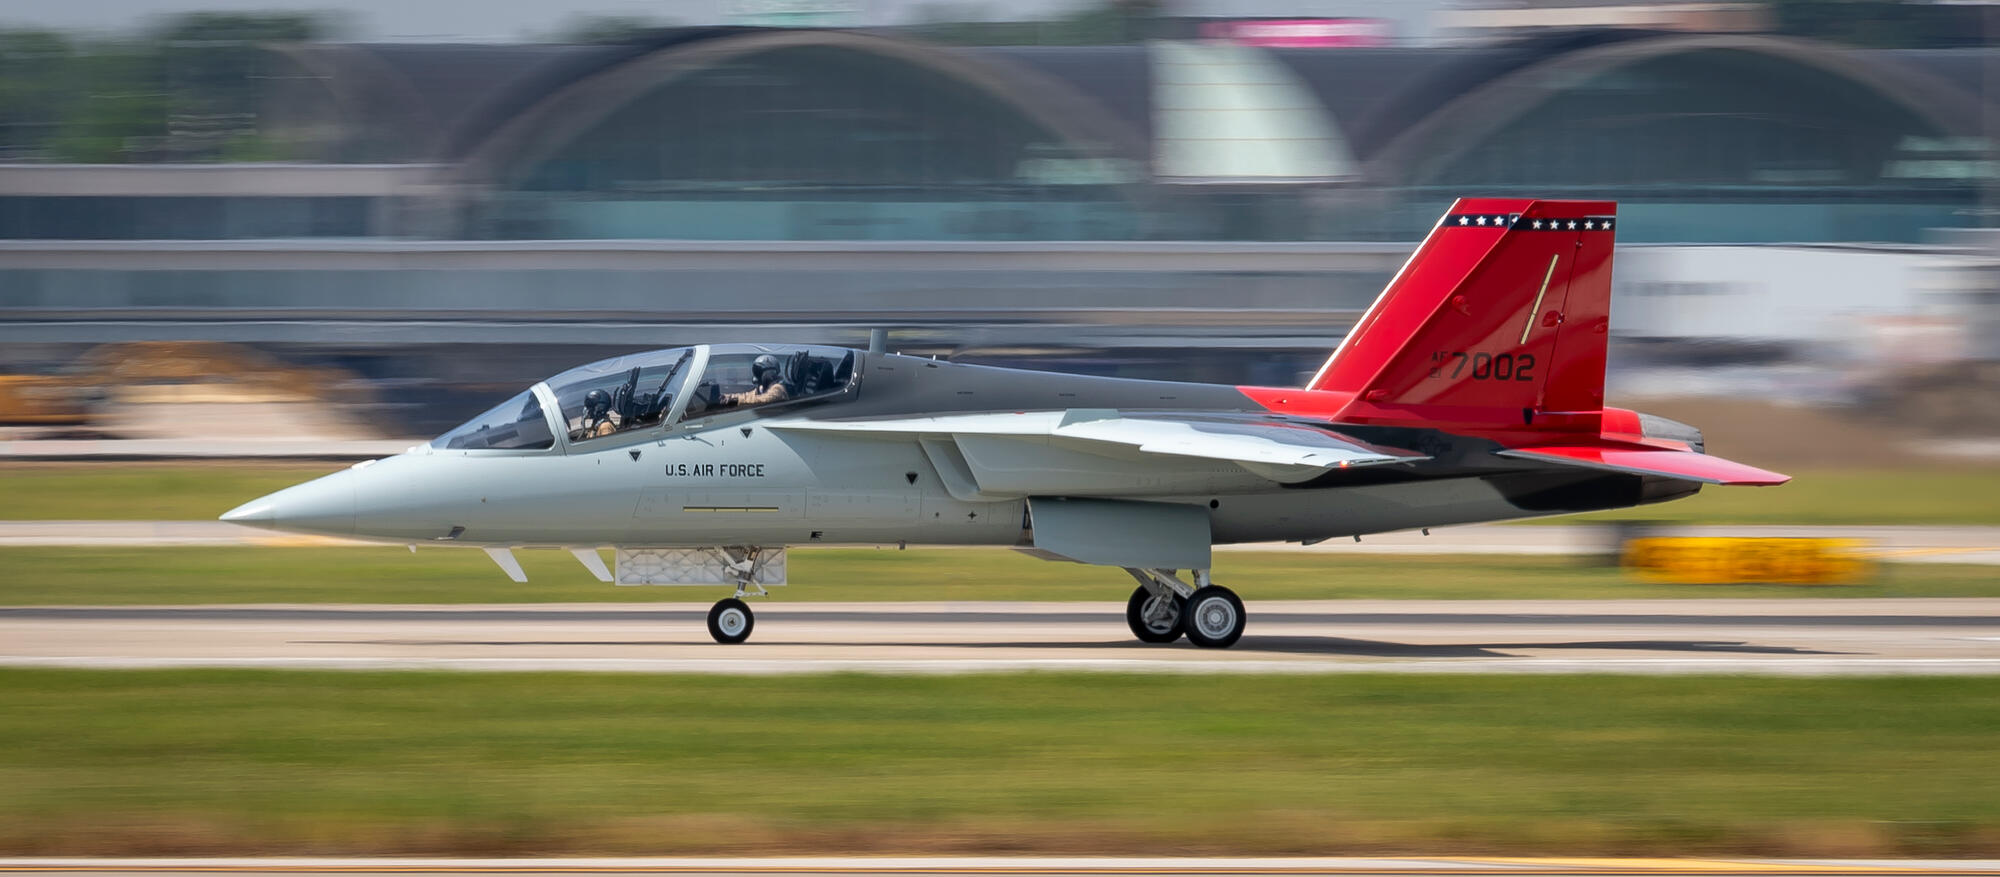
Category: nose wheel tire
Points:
column 1213, row 618
column 1154, row 618
column 730, row 621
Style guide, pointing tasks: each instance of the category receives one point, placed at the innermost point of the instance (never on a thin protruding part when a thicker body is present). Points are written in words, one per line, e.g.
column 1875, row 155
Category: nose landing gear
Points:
column 730, row 621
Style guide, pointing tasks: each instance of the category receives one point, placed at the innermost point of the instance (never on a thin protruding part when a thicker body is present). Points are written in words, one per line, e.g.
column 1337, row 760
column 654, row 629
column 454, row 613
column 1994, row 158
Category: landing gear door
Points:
column 1111, row 532
column 740, row 566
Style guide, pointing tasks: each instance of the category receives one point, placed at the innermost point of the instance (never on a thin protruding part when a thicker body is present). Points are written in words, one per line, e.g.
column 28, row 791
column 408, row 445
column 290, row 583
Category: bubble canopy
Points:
column 593, row 401
column 641, row 391
column 620, row 394
column 514, row 425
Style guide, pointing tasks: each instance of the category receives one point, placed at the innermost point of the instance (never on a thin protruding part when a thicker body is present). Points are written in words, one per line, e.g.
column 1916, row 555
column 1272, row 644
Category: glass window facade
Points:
column 815, row 143
column 844, row 141
column 184, row 217
column 1796, row 153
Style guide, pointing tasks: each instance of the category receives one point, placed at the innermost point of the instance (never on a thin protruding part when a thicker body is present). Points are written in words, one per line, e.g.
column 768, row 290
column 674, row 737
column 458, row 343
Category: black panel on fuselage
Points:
column 909, row 386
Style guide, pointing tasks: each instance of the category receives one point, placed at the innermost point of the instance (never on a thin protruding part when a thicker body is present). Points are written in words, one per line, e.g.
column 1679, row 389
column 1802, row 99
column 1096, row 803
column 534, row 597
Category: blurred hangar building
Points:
column 763, row 134
column 1197, row 208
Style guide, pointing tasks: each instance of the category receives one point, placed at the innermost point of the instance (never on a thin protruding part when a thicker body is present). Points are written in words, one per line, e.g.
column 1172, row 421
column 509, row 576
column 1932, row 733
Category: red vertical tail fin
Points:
column 1498, row 319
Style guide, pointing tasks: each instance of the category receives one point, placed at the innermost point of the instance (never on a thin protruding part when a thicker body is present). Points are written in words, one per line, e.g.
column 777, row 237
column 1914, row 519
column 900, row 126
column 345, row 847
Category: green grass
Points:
column 148, row 491
column 141, row 491
column 1968, row 495
column 43, row 576
column 245, row 762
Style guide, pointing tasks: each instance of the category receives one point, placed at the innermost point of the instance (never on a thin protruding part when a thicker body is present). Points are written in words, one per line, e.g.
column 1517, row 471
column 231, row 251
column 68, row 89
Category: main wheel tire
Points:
column 730, row 621
column 1213, row 618
column 1136, row 616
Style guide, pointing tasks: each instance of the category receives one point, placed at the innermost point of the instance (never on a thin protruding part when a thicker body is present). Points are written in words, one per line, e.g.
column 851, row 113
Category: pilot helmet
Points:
column 763, row 364
column 596, row 403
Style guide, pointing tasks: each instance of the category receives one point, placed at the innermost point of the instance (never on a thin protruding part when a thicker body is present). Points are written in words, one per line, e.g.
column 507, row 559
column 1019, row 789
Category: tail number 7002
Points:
column 1457, row 365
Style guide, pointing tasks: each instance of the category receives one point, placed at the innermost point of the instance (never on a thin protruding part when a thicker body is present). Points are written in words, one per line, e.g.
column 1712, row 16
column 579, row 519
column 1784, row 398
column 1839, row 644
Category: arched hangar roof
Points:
column 451, row 102
column 535, row 119
column 475, row 104
column 1454, row 107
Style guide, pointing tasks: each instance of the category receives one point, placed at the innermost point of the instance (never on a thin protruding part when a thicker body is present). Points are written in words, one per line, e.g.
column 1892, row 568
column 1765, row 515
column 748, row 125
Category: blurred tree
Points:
column 188, row 89
column 214, row 65
column 34, row 68
column 117, row 106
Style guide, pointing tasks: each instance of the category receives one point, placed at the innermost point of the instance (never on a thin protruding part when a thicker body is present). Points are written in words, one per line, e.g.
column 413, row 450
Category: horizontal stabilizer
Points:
column 1685, row 465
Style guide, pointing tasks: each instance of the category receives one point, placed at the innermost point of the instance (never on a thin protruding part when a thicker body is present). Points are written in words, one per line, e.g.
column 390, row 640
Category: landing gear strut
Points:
column 1154, row 618
column 1163, row 607
column 730, row 621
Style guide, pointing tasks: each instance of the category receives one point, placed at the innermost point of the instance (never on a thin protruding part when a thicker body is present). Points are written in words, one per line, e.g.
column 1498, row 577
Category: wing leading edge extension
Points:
column 1064, row 452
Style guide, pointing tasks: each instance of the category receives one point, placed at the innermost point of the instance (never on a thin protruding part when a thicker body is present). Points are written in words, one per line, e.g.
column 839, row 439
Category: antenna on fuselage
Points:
column 878, row 340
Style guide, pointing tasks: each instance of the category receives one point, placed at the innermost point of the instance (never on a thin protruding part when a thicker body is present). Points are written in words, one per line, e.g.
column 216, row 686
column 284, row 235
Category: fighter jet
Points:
column 1472, row 390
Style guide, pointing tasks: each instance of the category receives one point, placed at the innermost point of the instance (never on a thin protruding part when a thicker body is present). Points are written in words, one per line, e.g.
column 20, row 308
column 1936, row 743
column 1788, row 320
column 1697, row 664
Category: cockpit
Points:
column 657, row 390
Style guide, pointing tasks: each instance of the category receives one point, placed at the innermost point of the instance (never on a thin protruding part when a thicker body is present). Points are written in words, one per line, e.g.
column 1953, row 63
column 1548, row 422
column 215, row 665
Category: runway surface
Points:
column 1769, row 637
column 1917, row 544
column 991, row 867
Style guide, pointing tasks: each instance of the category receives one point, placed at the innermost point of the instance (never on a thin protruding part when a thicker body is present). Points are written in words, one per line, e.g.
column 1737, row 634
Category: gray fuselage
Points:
column 738, row 477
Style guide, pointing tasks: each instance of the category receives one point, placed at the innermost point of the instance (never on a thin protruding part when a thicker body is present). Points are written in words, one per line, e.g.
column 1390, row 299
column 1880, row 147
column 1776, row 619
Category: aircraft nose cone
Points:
column 324, row 505
column 255, row 511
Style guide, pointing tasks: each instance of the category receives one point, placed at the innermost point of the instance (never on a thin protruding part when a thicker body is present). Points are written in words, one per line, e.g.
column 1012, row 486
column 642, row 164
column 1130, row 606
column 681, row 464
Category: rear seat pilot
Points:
column 770, row 386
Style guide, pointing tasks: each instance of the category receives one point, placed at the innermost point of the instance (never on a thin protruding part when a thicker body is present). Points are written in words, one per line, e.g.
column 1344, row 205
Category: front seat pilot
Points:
column 769, row 386
column 596, row 415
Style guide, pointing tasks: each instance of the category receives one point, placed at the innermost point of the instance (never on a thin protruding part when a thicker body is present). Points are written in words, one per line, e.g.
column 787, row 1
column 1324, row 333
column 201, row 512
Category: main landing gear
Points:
column 1163, row 608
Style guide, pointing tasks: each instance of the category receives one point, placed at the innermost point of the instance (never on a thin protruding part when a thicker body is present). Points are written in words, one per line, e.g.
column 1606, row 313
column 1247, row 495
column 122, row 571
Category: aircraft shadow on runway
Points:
column 1362, row 648
column 1290, row 645
column 1381, row 649
column 605, row 643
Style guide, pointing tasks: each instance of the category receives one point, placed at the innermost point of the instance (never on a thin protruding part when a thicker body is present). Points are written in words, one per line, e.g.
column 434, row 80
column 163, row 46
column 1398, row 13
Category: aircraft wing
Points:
column 993, row 450
column 1685, row 465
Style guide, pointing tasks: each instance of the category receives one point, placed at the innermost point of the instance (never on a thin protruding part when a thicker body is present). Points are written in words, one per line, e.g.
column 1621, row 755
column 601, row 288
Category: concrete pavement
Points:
column 1794, row 637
